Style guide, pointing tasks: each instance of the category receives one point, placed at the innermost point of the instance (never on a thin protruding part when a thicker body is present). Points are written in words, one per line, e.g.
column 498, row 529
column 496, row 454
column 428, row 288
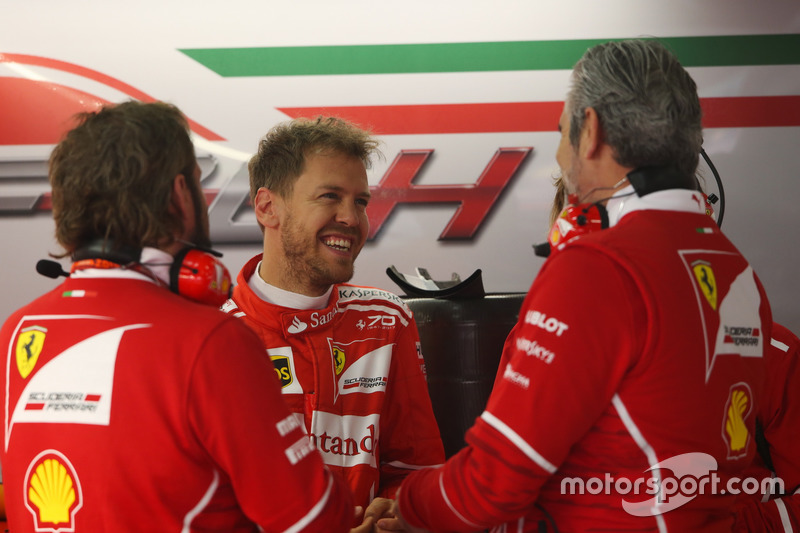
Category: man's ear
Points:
column 591, row 135
column 267, row 205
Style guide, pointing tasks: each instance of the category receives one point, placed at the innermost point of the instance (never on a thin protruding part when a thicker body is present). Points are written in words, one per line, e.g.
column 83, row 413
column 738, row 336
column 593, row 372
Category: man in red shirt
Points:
column 127, row 406
column 348, row 357
column 637, row 361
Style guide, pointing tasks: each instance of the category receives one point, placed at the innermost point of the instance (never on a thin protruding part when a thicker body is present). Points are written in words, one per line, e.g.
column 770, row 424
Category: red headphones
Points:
column 577, row 219
column 199, row 275
column 195, row 273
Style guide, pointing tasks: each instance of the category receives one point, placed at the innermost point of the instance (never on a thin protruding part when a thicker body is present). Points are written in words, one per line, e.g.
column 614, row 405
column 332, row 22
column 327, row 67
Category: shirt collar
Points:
column 626, row 201
column 274, row 295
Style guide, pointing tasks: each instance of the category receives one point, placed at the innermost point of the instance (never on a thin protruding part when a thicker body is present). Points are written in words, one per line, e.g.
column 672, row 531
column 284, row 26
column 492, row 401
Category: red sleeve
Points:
column 779, row 416
column 410, row 437
column 237, row 413
column 564, row 360
column 773, row 516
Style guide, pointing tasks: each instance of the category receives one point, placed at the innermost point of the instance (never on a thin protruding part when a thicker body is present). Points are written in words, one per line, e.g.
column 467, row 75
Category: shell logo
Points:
column 52, row 492
column 734, row 426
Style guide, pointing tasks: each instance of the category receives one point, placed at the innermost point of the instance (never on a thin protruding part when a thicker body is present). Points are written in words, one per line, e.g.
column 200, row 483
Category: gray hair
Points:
column 645, row 100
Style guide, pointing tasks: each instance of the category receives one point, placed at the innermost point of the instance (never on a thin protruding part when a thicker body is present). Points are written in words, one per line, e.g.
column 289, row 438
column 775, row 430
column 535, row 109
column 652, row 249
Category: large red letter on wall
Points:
column 476, row 200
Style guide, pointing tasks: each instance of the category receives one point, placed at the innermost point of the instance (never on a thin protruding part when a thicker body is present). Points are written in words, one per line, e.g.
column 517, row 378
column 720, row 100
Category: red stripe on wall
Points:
column 751, row 112
column 443, row 118
column 723, row 112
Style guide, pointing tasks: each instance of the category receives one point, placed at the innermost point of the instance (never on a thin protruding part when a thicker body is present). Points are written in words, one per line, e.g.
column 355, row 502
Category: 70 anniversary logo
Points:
column 474, row 200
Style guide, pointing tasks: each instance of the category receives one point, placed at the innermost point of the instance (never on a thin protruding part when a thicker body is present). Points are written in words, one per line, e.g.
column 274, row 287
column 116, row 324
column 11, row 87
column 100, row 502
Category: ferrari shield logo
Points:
column 29, row 346
column 705, row 279
column 338, row 359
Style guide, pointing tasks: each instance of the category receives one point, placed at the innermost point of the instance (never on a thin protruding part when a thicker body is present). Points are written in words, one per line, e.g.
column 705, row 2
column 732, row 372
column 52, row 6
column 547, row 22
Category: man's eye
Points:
column 362, row 202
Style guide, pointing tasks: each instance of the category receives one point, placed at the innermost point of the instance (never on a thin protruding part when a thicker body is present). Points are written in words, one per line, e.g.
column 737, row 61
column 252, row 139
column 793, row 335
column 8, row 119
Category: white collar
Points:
column 626, row 201
column 275, row 295
column 156, row 262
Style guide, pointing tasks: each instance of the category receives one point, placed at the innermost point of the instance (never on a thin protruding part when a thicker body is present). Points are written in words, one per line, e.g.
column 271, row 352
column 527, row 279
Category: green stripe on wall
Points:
column 734, row 50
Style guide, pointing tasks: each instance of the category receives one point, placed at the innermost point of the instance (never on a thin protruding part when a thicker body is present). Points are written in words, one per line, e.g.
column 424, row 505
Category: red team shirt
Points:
column 637, row 358
column 129, row 408
column 353, row 374
column 779, row 415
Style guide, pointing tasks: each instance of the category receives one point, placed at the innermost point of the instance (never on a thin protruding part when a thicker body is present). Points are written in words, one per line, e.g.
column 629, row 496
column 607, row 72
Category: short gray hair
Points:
column 645, row 100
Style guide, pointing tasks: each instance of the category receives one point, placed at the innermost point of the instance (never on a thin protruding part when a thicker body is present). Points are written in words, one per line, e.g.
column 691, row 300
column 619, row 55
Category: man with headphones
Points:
column 131, row 402
column 654, row 327
column 775, row 506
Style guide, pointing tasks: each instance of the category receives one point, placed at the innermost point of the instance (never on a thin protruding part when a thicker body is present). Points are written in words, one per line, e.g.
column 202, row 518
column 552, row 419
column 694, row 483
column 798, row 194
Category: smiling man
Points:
column 348, row 357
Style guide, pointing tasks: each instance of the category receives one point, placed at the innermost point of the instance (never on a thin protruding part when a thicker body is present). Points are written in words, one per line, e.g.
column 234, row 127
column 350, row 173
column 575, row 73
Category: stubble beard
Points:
column 304, row 266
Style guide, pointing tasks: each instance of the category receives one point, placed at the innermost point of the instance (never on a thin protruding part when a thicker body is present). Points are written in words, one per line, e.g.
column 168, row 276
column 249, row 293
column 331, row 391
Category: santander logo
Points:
column 297, row 326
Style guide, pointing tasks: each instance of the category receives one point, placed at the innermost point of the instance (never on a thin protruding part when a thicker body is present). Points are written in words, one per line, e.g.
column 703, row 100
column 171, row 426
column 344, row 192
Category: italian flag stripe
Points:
column 697, row 51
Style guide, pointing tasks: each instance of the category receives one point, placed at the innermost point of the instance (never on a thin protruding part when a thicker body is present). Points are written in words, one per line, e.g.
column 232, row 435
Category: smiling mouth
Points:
column 342, row 245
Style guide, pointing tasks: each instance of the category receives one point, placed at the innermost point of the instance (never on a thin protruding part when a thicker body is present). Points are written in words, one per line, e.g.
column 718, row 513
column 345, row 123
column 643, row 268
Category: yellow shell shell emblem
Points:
column 706, row 281
column 29, row 346
column 734, row 424
column 52, row 490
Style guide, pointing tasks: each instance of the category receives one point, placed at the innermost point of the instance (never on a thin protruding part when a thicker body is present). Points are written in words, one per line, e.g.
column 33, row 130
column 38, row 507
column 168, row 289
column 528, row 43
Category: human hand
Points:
column 379, row 509
column 393, row 521
column 366, row 523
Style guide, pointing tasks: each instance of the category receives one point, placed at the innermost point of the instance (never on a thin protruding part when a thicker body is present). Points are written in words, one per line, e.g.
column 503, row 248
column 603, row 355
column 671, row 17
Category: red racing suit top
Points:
column 779, row 415
column 636, row 362
column 129, row 408
column 353, row 372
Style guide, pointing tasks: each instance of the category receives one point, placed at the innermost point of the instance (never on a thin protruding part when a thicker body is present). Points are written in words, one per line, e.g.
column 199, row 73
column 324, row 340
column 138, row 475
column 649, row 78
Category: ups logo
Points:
column 283, row 370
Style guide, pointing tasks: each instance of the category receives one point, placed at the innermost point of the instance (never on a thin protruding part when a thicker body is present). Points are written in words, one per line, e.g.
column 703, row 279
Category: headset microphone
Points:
column 542, row 250
column 51, row 269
